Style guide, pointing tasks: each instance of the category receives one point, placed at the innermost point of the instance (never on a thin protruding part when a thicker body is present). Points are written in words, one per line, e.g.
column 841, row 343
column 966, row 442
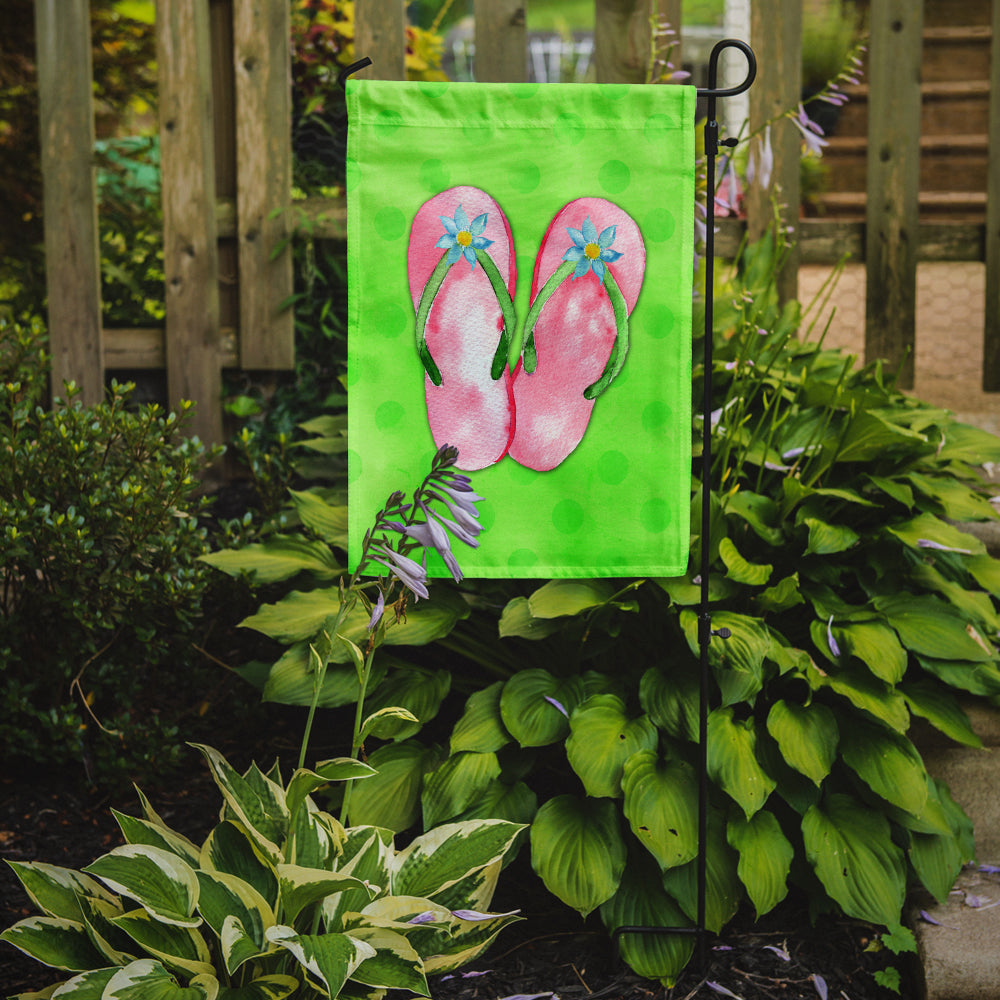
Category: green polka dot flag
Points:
column 615, row 501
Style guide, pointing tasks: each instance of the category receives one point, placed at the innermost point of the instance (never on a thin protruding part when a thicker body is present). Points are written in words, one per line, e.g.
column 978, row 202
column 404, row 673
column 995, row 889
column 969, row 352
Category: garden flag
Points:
column 520, row 262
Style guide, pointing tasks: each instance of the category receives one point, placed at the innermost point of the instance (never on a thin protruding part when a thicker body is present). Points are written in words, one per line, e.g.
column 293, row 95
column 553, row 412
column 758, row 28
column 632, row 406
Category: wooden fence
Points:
column 226, row 161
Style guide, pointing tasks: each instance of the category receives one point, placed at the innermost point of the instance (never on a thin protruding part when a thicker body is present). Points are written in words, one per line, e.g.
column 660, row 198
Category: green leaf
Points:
column 292, row 681
column 965, row 443
column 279, row 558
column 783, row 595
column 181, row 948
column 685, row 592
column 931, row 628
column 928, row 528
column 330, row 959
column 395, row 964
column 517, row 620
column 986, row 571
column 941, row 709
column 661, row 799
column 301, row 887
column 391, row 798
column 732, row 760
column 386, row 722
column 765, row 858
column 807, row 736
column 326, row 520
column 937, row 860
column 976, row 678
column 528, row 714
column 850, row 848
column 876, row 646
column 273, row 987
column 56, row 891
column 418, row 690
column 672, row 700
column 578, row 851
column 760, row 512
column 828, row 539
column 893, row 488
column 869, row 436
column 741, row 571
column 866, row 692
column 54, row 941
column 559, row 598
column 481, row 727
column 738, row 661
column 147, row 979
column 957, row 501
column 456, row 784
column 515, row 803
column 601, row 739
column 164, row 885
column 888, row 763
column 640, row 901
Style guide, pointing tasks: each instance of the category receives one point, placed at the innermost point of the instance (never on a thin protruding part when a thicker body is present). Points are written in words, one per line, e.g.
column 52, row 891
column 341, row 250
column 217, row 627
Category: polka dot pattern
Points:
column 567, row 516
column 390, row 223
column 614, row 177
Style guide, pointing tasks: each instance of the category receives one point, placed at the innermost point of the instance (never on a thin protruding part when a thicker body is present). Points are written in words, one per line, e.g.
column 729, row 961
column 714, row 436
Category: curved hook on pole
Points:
column 712, row 89
column 348, row 70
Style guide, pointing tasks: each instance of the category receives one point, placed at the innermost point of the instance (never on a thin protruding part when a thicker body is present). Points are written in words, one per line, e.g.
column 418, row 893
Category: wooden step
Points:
column 944, row 104
column 956, row 53
column 957, row 206
column 939, row 13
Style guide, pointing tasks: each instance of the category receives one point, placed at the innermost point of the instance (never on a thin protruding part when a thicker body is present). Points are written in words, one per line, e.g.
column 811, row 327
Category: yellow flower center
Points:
column 464, row 238
column 592, row 251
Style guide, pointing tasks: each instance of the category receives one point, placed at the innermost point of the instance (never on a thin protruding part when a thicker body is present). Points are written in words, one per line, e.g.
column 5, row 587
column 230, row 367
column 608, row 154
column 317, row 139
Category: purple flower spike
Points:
column 558, row 705
column 427, row 917
column 719, row 988
column 820, row 983
column 377, row 611
column 410, row 573
column 834, row 648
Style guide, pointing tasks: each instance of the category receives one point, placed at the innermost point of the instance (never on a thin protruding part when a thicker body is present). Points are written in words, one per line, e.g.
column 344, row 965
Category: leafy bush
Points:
column 99, row 539
column 279, row 899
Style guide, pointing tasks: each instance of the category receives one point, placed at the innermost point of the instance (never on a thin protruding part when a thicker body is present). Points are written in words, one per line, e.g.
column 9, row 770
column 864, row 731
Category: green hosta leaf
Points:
column 937, row 859
column 602, row 738
column 807, row 736
column 163, row 884
column 56, row 891
column 931, row 628
column 230, row 849
column 888, row 763
column 301, row 887
column 578, row 851
column 976, row 605
column 180, row 948
column 641, row 901
column 928, row 528
column 739, row 569
column 828, row 539
column 330, row 959
column 685, row 592
column 869, row 436
column 416, row 689
column 671, row 699
column 558, row 598
column 456, row 784
column 292, row 680
column 141, row 831
column 783, row 595
column 976, row 678
column 225, row 897
column 765, row 858
column 957, row 818
column 54, row 941
column 279, row 558
column 438, row 859
column 527, row 711
column 738, row 661
column 723, row 889
column 732, row 760
column 274, row 987
column 391, row 798
column 850, row 847
column 893, row 488
column 986, row 571
column 941, row 709
column 147, row 979
column 965, row 443
column 957, row 501
column 388, row 722
column 515, row 803
column 517, row 620
column 760, row 512
column 327, row 520
column 876, row 646
column 661, row 800
column 395, row 964
column 865, row 692
column 481, row 728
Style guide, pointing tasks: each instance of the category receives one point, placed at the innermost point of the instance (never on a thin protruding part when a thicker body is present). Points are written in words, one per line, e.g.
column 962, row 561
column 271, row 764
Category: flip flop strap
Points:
column 428, row 296
column 620, row 309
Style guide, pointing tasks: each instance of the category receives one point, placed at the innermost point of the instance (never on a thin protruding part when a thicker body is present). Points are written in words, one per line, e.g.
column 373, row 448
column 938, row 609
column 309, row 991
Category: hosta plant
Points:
column 279, row 900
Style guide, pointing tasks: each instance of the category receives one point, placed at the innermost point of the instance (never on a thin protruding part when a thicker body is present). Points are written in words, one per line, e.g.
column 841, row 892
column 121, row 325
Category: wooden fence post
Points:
column 262, row 61
column 190, row 252
column 991, row 333
column 623, row 37
column 72, row 256
column 501, row 41
column 380, row 34
column 776, row 35
column 893, row 183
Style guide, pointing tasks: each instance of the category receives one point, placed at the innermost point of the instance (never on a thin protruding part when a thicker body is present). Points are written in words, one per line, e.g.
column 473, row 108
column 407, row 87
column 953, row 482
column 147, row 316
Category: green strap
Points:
column 430, row 292
column 618, row 305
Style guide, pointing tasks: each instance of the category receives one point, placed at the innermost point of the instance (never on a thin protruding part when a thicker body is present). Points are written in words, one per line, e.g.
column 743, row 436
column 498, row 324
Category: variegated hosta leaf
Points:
column 807, row 736
column 481, row 727
column 670, row 697
column 300, row 887
column 329, row 959
column 765, row 858
column 578, row 851
column 395, row 964
column 391, row 799
column 661, row 800
column 147, row 979
column 456, row 784
column 54, row 941
column 56, row 891
column 732, row 760
column 304, row 782
column 315, row 838
column 86, row 986
column 273, row 987
column 159, row 881
column 888, row 763
column 475, row 891
column 177, row 947
column 642, row 902
column 257, row 802
column 238, row 945
column 367, row 853
column 225, row 896
column 441, row 857
column 230, row 849
column 466, row 941
column 602, row 737
column 141, row 831
column 850, row 847
column 98, row 915
column 535, row 706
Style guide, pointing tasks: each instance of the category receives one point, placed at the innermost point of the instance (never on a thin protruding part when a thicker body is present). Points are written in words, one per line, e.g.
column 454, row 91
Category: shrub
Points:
column 99, row 539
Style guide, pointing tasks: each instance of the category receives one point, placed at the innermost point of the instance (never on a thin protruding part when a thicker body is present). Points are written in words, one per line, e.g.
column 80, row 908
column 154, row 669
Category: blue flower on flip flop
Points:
column 462, row 238
column 590, row 250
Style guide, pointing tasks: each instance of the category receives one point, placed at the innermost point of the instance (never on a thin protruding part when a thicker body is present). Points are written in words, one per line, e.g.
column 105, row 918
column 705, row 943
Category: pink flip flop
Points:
column 462, row 275
column 587, row 279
